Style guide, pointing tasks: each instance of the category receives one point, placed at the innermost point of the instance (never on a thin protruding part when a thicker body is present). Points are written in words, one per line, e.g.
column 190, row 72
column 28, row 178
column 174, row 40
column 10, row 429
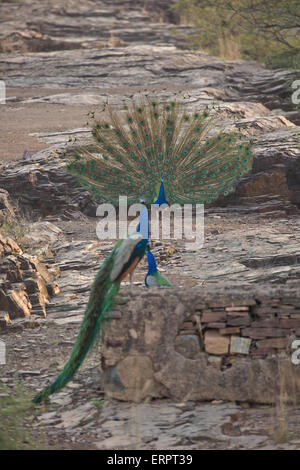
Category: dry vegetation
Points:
column 264, row 30
column 16, row 415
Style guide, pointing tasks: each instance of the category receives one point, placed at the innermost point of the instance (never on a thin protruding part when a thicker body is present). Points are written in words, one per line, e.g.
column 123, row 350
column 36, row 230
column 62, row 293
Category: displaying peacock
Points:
column 167, row 155
column 135, row 147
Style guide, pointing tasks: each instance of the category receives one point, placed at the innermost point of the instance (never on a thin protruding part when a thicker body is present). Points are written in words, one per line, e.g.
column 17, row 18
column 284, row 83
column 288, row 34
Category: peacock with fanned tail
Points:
column 167, row 155
column 136, row 147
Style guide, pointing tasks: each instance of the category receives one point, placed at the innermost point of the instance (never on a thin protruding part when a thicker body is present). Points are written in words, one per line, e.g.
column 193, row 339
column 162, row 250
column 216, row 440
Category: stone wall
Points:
column 25, row 284
column 193, row 345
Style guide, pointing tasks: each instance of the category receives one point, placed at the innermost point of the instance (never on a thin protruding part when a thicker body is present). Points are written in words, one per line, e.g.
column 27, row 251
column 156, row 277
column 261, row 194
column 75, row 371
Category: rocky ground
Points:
column 88, row 67
column 81, row 416
column 59, row 63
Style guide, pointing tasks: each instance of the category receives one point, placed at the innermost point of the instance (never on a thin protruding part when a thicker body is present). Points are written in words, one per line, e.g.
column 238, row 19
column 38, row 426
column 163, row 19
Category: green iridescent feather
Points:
column 103, row 292
column 101, row 299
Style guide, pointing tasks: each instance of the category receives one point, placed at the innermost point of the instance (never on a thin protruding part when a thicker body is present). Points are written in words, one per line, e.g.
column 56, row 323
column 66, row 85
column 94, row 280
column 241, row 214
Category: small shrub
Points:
column 15, row 227
column 15, row 409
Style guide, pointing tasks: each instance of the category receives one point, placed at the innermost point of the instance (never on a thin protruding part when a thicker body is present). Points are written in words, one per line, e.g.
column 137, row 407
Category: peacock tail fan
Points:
column 137, row 146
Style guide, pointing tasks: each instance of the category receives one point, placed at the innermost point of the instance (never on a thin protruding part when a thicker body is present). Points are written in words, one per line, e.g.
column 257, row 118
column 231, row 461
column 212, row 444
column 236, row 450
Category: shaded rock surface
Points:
column 43, row 187
column 50, row 26
column 24, row 284
column 6, row 206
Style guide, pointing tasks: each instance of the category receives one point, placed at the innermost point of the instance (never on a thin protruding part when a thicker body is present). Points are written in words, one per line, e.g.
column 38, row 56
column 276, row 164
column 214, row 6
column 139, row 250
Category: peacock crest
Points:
column 137, row 147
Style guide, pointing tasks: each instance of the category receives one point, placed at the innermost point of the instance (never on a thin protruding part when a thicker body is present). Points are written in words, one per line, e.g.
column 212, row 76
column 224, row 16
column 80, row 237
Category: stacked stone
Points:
column 255, row 327
column 196, row 344
column 25, row 284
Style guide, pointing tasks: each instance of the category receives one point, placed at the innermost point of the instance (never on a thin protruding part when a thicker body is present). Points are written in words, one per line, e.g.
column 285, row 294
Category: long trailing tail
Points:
column 100, row 301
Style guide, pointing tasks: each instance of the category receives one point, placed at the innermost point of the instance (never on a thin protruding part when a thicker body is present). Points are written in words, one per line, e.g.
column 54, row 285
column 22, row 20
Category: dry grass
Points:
column 230, row 47
column 16, row 412
column 14, row 226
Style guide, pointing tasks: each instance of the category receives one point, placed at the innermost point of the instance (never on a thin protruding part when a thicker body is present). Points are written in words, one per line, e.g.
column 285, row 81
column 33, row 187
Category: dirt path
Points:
column 27, row 111
column 19, row 120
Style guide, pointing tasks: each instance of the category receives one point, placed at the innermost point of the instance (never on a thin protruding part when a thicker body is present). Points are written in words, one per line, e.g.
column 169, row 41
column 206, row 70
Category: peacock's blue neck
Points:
column 161, row 199
column 152, row 269
column 143, row 226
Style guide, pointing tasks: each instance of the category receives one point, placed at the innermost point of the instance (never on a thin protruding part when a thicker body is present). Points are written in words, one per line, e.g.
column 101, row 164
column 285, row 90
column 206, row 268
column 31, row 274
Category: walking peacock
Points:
column 167, row 155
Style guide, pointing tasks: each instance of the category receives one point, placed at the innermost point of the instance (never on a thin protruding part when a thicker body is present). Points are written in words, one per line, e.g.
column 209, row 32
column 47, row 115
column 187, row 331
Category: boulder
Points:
column 24, row 283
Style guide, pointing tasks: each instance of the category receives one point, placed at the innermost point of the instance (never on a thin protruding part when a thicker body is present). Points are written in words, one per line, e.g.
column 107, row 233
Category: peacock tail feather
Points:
column 153, row 278
column 101, row 299
column 137, row 146
column 157, row 280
